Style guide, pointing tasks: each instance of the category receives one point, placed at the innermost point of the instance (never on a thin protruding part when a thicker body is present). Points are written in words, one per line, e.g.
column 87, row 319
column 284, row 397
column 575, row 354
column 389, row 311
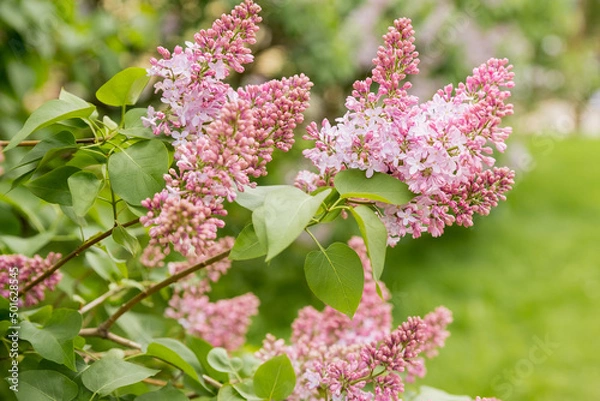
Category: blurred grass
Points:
column 527, row 273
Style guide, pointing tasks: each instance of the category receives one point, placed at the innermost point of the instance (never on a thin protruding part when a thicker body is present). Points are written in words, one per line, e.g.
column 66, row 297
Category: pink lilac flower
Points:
column 442, row 149
column 223, row 137
column 337, row 356
column 27, row 269
column 223, row 323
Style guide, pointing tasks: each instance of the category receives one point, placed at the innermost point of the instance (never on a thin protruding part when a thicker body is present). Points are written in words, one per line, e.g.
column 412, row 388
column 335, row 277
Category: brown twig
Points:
column 87, row 244
column 35, row 142
column 107, row 324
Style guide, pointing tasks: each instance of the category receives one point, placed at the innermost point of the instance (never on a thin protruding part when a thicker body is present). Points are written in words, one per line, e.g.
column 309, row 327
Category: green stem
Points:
column 92, row 304
column 95, row 332
column 212, row 381
column 316, row 240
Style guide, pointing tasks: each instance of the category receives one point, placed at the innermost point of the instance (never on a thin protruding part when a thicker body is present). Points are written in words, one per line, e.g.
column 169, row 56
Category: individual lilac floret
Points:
column 28, row 269
column 442, row 149
column 335, row 357
column 223, row 323
column 223, row 138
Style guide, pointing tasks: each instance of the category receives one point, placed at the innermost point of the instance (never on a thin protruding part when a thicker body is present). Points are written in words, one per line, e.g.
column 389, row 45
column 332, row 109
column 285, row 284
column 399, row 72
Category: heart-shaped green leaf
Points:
column 124, row 88
column 336, row 276
column 110, row 373
column 287, row 213
column 136, row 173
column 247, row 245
column 45, row 385
column 275, row 379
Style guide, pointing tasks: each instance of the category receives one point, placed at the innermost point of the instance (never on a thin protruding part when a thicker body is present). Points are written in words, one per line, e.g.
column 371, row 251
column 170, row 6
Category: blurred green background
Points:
column 523, row 283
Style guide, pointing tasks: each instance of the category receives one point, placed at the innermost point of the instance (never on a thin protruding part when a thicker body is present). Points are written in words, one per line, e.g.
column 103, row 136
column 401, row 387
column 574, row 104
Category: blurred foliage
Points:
column 554, row 46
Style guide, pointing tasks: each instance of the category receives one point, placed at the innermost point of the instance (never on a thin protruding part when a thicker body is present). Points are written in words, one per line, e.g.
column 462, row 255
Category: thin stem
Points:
column 113, row 203
column 106, row 325
column 212, row 381
column 87, row 244
column 92, row 304
column 96, row 332
column 358, row 202
column 316, row 240
column 161, row 383
column 35, row 142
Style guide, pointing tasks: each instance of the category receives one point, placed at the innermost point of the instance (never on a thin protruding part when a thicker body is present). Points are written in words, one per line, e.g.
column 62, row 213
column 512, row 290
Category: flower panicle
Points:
column 442, row 148
column 224, row 138
column 335, row 355
column 16, row 270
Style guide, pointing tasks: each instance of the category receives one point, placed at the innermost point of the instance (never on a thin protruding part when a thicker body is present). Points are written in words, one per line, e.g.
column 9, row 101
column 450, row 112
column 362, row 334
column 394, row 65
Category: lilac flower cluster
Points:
column 223, row 137
column 336, row 357
column 223, row 323
column 441, row 148
column 28, row 269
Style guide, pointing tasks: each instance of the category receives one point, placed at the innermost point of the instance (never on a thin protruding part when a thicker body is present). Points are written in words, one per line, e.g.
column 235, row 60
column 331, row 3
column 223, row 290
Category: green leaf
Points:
column 375, row 235
column 124, row 88
column 380, row 187
column 432, row 394
column 53, row 187
column 45, row 385
column 103, row 265
column 275, row 379
column 246, row 389
column 288, row 211
column 133, row 126
column 39, row 315
column 54, row 341
column 336, row 277
column 220, row 361
column 247, row 245
column 252, row 198
column 71, row 98
column 137, row 172
column 168, row 392
column 48, row 114
column 22, row 179
column 60, row 140
column 201, row 349
column 177, row 354
column 228, row 393
column 84, row 187
column 259, row 226
column 126, row 240
column 10, row 223
column 108, row 374
column 27, row 246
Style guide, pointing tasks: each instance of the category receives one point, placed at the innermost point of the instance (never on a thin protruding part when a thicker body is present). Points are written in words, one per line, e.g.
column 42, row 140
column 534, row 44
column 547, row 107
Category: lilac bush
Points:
column 395, row 165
